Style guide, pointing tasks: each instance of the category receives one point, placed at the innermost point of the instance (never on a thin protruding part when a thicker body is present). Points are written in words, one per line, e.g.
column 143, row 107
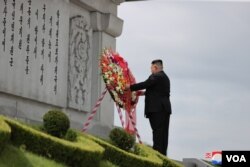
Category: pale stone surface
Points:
column 193, row 162
column 49, row 55
column 108, row 23
column 33, row 59
column 104, row 6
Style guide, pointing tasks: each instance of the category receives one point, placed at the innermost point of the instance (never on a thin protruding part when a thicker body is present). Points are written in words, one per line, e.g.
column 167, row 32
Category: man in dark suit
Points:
column 157, row 104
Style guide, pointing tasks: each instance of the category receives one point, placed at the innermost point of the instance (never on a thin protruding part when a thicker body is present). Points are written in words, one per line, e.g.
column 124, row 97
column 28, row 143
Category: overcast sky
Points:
column 205, row 46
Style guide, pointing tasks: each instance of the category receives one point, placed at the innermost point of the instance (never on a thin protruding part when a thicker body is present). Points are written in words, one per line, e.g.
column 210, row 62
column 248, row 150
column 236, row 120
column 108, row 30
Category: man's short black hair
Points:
column 158, row 62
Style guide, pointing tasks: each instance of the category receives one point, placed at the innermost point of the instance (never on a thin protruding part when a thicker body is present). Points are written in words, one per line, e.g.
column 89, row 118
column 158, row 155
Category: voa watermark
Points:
column 229, row 158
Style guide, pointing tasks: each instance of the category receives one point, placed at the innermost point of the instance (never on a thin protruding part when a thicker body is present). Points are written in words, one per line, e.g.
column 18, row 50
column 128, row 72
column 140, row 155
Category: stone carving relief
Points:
column 79, row 76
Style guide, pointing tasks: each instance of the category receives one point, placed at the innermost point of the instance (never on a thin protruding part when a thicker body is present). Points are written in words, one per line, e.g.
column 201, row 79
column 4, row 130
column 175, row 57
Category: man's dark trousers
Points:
column 159, row 122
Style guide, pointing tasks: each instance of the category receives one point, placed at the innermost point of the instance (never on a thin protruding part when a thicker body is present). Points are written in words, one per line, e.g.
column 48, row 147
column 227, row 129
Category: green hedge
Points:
column 4, row 133
column 86, row 151
column 87, row 154
column 152, row 153
column 127, row 159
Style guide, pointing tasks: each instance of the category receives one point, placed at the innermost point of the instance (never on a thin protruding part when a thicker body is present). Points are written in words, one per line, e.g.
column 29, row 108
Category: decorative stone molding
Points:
column 103, row 6
column 118, row 2
column 96, row 21
column 108, row 23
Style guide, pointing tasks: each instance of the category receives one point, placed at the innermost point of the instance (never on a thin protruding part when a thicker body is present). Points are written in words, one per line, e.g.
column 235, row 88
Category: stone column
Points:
column 106, row 28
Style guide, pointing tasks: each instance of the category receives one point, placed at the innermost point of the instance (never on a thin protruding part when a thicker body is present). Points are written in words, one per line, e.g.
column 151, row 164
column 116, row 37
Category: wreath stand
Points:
column 97, row 105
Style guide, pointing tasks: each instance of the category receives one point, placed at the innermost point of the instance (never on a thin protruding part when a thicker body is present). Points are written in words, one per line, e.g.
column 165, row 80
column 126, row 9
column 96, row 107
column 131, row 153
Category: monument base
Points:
column 32, row 112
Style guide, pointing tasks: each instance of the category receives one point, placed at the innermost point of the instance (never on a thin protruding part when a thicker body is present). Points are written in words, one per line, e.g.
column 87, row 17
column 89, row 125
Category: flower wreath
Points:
column 116, row 75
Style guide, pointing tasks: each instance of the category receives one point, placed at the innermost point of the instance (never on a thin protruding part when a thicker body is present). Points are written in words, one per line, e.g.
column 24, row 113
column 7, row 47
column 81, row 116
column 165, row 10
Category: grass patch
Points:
column 16, row 157
column 107, row 164
column 4, row 134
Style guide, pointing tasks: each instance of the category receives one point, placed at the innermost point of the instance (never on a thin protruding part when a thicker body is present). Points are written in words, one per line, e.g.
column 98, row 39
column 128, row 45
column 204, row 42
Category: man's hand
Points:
column 140, row 93
column 127, row 87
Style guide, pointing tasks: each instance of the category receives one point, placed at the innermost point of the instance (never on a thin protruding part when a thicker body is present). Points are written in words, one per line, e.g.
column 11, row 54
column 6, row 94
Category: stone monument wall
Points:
column 49, row 57
column 33, row 50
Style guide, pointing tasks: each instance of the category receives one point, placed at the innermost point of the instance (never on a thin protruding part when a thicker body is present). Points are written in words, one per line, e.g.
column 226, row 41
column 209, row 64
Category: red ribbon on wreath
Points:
column 117, row 75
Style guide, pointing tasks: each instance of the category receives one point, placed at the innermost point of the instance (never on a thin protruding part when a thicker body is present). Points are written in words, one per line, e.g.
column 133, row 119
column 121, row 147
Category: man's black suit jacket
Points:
column 157, row 93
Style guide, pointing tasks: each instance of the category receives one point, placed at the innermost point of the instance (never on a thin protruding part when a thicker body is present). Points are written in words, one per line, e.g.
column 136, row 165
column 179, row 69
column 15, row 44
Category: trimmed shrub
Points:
column 56, row 123
column 4, row 134
column 122, row 139
column 73, row 154
column 71, row 135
